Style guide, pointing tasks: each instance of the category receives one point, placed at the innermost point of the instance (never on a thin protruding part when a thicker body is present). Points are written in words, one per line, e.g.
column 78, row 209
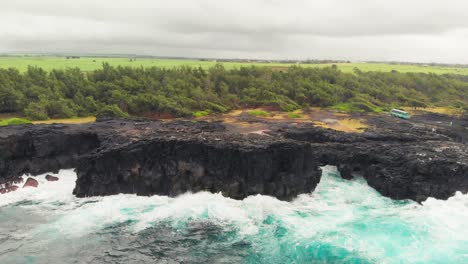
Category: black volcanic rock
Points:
column 400, row 159
column 398, row 164
column 40, row 149
column 51, row 178
column 237, row 166
column 152, row 157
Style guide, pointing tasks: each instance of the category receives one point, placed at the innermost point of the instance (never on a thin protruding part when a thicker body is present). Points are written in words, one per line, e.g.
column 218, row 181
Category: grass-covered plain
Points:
column 92, row 63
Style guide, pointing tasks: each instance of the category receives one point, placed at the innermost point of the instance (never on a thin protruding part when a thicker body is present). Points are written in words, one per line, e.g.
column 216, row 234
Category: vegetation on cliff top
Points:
column 294, row 115
column 14, row 121
column 198, row 114
column 183, row 91
column 259, row 113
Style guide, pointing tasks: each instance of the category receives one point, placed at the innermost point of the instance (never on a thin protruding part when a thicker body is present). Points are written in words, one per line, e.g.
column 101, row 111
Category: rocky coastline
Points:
column 401, row 159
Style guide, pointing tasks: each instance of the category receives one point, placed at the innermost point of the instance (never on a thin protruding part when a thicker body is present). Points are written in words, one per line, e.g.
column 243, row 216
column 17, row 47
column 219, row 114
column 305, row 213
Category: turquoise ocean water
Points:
column 341, row 222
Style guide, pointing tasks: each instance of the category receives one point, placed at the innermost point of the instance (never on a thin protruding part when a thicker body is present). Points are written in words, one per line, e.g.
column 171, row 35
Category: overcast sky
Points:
column 403, row 30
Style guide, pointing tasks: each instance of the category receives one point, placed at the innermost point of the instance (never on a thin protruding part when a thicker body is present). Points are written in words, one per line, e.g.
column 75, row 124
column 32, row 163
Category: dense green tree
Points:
column 111, row 111
column 36, row 111
column 10, row 99
column 183, row 90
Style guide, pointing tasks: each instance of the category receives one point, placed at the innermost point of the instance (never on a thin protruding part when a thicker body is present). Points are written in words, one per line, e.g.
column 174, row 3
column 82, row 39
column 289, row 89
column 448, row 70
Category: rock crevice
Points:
column 171, row 166
column 170, row 158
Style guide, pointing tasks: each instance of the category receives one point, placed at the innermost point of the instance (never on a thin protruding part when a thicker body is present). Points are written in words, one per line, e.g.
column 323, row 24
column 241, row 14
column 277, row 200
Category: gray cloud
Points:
column 407, row 30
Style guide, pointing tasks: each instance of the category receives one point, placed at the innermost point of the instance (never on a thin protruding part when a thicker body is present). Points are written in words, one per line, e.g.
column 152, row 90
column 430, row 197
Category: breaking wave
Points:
column 341, row 222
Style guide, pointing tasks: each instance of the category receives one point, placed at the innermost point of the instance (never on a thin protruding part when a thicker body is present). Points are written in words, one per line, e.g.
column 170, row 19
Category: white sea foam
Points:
column 344, row 214
column 46, row 192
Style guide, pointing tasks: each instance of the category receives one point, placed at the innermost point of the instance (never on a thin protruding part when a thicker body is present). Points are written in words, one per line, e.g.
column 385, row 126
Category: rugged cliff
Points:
column 237, row 166
column 167, row 158
column 39, row 149
column 402, row 161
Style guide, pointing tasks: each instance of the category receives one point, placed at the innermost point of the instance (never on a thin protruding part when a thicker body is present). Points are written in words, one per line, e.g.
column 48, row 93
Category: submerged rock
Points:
column 8, row 188
column 30, row 182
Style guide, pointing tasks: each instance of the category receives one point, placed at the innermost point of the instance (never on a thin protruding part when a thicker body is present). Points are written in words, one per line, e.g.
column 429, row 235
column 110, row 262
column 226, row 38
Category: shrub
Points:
column 61, row 108
column 346, row 107
column 111, row 111
column 294, row 115
column 357, row 106
column 259, row 113
column 216, row 107
column 36, row 111
column 200, row 113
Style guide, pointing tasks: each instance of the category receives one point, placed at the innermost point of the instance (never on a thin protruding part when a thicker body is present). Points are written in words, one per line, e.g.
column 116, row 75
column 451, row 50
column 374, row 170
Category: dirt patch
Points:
column 349, row 125
column 9, row 115
column 240, row 121
column 81, row 120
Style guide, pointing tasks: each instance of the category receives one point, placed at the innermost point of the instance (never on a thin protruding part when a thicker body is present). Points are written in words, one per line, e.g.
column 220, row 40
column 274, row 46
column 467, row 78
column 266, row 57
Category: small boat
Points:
column 399, row 113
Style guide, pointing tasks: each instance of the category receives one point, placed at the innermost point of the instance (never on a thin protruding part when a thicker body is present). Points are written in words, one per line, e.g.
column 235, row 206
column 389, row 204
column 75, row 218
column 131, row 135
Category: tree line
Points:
column 181, row 91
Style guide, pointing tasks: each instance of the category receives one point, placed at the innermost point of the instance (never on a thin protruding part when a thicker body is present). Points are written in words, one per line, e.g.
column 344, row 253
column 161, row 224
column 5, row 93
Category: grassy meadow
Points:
column 93, row 63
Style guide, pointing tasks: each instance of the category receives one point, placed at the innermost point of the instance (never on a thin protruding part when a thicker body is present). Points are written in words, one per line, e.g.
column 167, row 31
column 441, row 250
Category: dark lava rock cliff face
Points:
column 237, row 166
column 400, row 159
column 41, row 149
column 166, row 158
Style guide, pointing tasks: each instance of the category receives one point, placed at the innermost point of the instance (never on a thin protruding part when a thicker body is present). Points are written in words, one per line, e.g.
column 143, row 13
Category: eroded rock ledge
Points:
column 404, row 161
column 40, row 149
column 237, row 166
column 400, row 166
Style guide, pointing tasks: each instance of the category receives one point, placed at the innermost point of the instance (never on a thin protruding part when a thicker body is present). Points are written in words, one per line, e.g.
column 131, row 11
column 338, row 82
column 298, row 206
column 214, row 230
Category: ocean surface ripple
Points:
column 341, row 222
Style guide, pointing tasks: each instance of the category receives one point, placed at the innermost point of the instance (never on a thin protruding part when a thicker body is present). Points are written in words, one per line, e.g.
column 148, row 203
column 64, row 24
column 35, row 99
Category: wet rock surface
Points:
column 37, row 149
column 30, row 182
column 6, row 188
column 401, row 159
column 51, row 178
column 237, row 166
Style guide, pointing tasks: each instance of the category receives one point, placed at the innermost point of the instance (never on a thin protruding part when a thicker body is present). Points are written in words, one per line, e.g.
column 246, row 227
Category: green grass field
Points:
column 92, row 63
